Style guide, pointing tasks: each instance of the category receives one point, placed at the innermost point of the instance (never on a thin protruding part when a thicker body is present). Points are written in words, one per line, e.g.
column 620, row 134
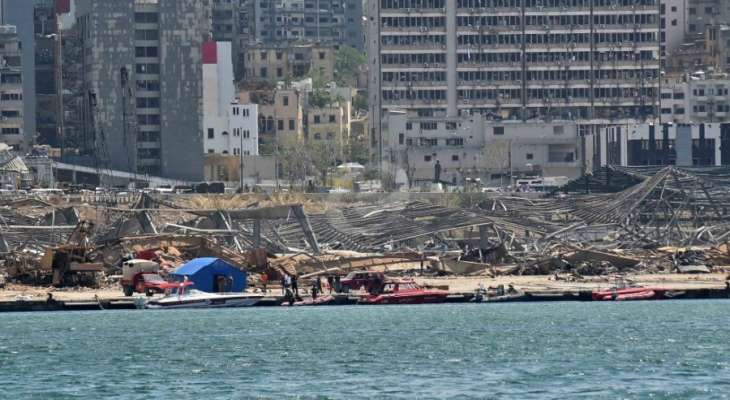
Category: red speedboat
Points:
column 637, row 293
column 404, row 292
column 620, row 291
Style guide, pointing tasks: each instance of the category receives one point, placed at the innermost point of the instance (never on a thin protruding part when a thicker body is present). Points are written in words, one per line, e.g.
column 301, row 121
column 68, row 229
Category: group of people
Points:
column 290, row 286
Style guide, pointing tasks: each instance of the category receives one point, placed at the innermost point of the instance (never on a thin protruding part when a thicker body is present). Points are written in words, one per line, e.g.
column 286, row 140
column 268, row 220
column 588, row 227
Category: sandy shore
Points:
column 539, row 283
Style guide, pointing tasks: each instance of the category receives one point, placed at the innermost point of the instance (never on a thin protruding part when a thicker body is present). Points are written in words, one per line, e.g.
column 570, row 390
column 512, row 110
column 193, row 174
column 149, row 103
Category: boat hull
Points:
column 398, row 298
column 631, row 294
column 320, row 301
column 218, row 302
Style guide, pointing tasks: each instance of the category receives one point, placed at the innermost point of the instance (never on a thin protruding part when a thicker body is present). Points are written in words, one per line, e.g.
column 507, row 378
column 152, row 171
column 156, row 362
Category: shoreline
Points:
column 537, row 288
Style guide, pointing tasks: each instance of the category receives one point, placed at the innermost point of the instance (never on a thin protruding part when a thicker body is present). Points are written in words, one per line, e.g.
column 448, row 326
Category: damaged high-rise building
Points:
column 527, row 60
column 142, row 73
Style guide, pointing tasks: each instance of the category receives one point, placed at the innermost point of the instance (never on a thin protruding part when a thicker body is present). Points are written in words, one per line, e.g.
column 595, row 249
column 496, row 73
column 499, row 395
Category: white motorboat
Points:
column 196, row 299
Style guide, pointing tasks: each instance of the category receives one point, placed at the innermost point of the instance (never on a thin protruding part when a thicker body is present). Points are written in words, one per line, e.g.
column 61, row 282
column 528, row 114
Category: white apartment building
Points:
column 695, row 98
column 527, row 60
column 474, row 147
column 230, row 128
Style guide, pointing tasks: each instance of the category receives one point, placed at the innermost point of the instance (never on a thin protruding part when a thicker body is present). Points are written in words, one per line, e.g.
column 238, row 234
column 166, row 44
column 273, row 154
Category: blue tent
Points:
column 212, row 275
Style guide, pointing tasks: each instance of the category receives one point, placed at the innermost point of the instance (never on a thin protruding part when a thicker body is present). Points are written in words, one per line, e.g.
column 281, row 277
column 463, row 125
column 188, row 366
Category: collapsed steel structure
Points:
column 629, row 208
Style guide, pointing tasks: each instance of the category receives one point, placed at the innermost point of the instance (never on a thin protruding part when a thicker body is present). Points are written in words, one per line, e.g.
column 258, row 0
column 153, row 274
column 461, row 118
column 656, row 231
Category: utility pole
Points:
column 240, row 156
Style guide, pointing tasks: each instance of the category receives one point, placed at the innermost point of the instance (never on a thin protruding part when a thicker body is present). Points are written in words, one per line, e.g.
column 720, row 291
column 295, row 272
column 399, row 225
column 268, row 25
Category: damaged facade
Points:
column 144, row 84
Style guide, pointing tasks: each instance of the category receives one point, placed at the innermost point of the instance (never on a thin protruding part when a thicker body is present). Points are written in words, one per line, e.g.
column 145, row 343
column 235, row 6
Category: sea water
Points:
column 658, row 350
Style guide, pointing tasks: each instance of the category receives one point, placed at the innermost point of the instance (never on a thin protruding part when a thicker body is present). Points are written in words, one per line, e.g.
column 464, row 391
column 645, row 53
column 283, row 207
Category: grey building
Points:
column 514, row 59
column 286, row 22
column 142, row 73
column 333, row 21
column 12, row 127
column 701, row 13
column 19, row 13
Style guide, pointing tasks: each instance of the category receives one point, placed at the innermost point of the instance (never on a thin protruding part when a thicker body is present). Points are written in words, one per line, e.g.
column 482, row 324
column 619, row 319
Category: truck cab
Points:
column 139, row 276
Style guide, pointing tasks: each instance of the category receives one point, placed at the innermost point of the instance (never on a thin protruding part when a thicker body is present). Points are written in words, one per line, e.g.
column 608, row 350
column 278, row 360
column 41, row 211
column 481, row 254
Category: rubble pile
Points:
column 618, row 220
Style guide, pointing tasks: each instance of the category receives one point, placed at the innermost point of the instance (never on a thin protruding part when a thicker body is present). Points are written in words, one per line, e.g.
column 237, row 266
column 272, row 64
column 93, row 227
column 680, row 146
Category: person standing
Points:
column 314, row 290
column 295, row 286
column 331, row 283
column 264, row 280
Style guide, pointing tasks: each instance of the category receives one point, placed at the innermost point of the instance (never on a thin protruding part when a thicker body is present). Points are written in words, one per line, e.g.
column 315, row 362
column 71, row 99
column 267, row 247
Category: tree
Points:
column 357, row 151
column 360, row 102
column 347, row 65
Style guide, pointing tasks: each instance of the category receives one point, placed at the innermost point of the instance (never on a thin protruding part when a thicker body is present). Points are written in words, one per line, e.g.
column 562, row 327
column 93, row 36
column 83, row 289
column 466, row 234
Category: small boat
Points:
column 498, row 295
column 404, row 292
column 197, row 299
column 319, row 301
column 621, row 291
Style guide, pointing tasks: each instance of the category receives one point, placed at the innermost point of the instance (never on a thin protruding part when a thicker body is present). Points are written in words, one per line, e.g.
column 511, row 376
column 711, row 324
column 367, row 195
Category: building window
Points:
column 291, row 125
column 429, row 126
column 317, row 136
column 246, row 134
column 316, row 119
column 263, row 55
column 279, row 72
column 455, row 157
column 529, row 156
column 280, row 124
column 263, row 72
column 211, row 151
column 401, row 138
column 558, row 130
column 285, row 100
column 427, row 158
column 211, row 133
column 224, row 133
column 499, row 130
column 332, row 119
column 321, row 55
column 409, row 126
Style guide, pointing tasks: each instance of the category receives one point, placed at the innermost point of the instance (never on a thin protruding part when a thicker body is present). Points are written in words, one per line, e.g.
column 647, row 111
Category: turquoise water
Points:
column 659, row 350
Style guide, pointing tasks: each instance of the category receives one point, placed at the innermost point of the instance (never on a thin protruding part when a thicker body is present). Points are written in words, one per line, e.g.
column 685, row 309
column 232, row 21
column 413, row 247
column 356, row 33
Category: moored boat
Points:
column 404, row 292
column 197, row 299
column 621, row 291
column 319, row 301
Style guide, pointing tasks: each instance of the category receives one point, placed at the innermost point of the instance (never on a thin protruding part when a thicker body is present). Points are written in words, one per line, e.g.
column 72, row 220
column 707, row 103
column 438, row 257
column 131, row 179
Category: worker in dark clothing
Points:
column 437, row 172
column 295, row 287
column 337, row 284
column 318, row 283
column 331, row 283
column 314, row 290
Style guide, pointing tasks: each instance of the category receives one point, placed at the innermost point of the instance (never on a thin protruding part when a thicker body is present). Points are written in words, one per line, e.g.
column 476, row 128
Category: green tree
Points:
column 347, row 65
column 360, row 102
